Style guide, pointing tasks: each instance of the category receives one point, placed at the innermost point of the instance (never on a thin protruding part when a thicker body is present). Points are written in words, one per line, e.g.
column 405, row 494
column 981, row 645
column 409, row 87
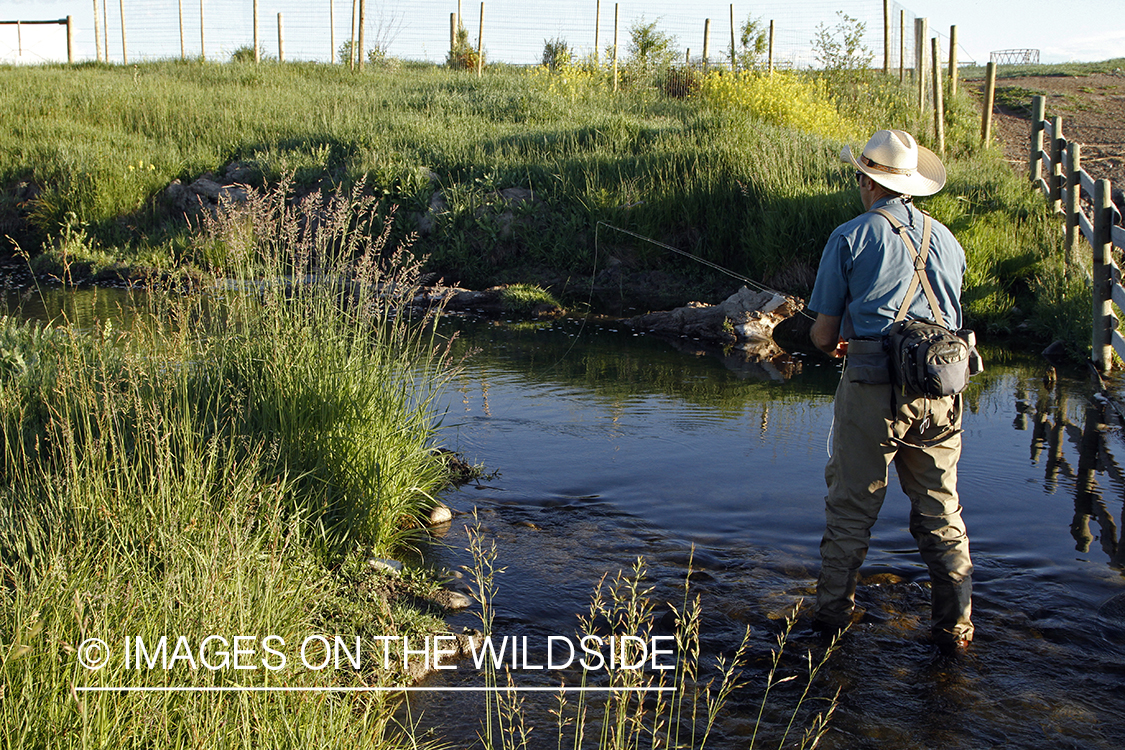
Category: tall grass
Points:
column 205, row 471
column 726, row 172
column 682, row 706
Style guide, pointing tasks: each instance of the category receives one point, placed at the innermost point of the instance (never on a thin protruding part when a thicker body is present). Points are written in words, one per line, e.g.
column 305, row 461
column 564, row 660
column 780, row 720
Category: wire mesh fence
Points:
column 513, row 31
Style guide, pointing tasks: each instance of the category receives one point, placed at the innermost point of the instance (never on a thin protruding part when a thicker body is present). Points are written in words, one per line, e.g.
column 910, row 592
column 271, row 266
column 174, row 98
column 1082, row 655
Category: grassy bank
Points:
column 742, row 171
column 222, row 465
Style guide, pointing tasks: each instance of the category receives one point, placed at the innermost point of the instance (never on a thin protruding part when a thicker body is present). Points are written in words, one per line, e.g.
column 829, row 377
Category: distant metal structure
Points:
column 1015, row 57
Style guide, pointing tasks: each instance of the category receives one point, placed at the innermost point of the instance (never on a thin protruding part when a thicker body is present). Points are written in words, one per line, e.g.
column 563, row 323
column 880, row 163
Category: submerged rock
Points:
column 746, row 316
column 440, row 514
column 454, row 600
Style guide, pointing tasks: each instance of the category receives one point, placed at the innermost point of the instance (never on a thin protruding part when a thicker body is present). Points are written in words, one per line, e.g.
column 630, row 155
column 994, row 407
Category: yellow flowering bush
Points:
column 782, row 99
column 568, row 80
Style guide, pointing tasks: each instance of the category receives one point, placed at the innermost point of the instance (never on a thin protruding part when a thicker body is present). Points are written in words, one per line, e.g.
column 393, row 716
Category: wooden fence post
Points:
column 616, row 17
column 362, row 22
column 202, row 46
column 939, row 105
column 1102, row 349
column 706, row 41
column 886, row 37
column 953, row 60
column 257, row 44
column 351, row 48
column 733, row 52
column 1038, row 110
column 986, row 108
column 902, row 46
column 597, row 28
column 98, row 31
column 452, row 34
column 105, row 28
column 480, row 42
column 124, row 54
column 280, row 40
column 183, row 42
column 1073, row 201
column 921, row 31
column 1058, row 146
column 331, row 32
column 769, row 64
column 70, row 39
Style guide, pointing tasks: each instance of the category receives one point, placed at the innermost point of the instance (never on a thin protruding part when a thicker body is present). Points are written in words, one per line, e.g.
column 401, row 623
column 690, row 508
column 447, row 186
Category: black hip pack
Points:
column 925, row 357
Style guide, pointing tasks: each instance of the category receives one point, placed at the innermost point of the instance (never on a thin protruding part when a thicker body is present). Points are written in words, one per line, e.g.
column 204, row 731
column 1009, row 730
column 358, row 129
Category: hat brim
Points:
column 928, row 179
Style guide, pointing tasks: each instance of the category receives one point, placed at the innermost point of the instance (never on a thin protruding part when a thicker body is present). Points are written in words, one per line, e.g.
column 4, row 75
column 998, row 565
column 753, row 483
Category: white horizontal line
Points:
column 282, row 689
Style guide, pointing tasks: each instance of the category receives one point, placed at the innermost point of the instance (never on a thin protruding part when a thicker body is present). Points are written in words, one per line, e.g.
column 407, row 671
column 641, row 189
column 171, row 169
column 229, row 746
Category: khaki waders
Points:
column 874, row 425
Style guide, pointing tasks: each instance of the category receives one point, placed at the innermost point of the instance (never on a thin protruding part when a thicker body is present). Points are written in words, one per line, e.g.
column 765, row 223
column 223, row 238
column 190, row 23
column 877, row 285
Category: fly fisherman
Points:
column 865, row 273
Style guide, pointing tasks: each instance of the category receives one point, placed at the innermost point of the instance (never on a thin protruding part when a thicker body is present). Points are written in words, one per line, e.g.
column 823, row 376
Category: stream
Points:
column 609, row 446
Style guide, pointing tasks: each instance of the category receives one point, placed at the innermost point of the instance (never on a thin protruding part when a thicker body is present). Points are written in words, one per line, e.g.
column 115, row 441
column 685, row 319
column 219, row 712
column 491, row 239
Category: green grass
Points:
column 524, row 299
column 1054, row 69
column 728, row 177
column 219, row 464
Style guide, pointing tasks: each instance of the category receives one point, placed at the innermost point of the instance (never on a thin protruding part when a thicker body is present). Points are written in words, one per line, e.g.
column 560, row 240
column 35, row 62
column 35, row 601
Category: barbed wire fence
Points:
column 513, row 33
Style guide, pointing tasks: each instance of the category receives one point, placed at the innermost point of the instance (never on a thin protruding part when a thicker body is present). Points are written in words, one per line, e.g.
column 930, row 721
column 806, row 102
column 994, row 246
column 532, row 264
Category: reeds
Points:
column 202, row 470
column 682, row 707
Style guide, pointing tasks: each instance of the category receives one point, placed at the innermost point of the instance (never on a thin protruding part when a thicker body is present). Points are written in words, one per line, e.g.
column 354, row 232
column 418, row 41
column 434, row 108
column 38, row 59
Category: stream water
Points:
column 609, row 446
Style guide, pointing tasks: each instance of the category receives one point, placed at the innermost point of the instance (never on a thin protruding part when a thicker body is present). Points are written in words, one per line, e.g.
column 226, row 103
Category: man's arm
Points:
column 825, row 335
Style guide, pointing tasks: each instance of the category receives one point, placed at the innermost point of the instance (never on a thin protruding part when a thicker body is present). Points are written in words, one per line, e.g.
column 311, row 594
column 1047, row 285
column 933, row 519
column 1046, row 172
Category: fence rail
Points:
column 68, row 22
column 1069, row 189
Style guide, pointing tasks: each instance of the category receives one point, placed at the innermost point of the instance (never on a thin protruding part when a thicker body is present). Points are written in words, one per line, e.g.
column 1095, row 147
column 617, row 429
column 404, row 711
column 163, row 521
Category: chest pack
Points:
column 925, row 357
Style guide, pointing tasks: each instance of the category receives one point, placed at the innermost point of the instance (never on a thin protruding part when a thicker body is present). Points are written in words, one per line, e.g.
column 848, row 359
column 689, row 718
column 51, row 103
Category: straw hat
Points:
column 895, row 160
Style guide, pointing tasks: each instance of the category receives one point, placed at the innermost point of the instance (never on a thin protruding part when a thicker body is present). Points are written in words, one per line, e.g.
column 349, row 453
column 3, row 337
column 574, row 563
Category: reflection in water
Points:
column 1052, row 426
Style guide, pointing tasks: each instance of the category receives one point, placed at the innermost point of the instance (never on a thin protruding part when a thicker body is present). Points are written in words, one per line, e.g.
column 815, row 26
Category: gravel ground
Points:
column 1092, row 108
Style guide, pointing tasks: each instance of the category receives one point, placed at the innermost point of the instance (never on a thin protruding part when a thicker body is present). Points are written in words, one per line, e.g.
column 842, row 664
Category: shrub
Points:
column 556, row 53
column 781, row 99
column 841, row 47
column 245, row 54
column 462, row 56
column 680, row 82
column 754, row 42
column 649, row 49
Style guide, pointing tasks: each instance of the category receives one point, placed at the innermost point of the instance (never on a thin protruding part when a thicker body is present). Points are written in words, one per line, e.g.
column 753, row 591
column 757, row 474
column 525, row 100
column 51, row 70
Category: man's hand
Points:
column 825, row 335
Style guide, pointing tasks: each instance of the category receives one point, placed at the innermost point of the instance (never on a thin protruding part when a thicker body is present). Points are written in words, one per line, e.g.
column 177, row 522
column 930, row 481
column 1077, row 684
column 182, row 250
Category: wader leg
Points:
column 929, row 478
column 857, row 483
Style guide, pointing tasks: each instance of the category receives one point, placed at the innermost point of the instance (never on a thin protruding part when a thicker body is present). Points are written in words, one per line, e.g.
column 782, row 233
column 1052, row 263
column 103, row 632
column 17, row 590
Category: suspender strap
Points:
column 919, row 257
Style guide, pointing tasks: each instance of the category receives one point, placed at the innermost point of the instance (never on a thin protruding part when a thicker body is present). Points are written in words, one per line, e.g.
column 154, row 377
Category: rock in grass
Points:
column 440, row 514
column 394, row 567
column 452, row 600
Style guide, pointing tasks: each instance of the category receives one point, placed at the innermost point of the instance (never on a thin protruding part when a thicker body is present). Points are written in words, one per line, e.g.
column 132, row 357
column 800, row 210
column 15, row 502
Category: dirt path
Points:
column 1092, row 108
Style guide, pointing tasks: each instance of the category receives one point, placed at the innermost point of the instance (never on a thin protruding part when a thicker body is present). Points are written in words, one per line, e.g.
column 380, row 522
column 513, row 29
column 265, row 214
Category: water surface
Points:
column 611, row 446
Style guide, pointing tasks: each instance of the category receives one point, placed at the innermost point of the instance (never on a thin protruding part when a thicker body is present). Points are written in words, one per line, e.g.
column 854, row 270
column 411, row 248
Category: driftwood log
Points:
column 744, row 317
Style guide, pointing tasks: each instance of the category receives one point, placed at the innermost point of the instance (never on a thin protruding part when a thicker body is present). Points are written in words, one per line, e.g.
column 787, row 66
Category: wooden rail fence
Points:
column 1068, row 190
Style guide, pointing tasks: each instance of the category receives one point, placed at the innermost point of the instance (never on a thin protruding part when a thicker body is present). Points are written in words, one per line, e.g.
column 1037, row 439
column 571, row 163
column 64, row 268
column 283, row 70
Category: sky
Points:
column 515, row 30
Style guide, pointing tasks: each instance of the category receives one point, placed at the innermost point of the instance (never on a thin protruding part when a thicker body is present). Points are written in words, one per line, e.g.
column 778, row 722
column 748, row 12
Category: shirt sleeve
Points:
column 830, row 292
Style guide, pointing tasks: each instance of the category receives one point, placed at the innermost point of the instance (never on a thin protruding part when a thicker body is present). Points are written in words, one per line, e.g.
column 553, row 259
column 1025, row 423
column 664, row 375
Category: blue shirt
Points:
column 865, row 270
